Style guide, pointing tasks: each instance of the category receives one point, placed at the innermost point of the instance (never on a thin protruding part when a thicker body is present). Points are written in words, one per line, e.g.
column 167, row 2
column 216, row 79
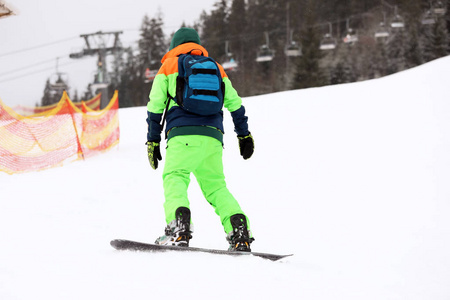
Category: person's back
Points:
column 194, row 145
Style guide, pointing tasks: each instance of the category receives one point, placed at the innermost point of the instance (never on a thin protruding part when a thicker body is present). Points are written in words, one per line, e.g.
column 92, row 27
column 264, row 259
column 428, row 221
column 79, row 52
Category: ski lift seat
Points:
column 381, row 34
column 265, row 54
column 230, row 65
column 58, row 84
column 293, row 50
column 439, row 8
column 382, row 31
column 98, row 86
column 328, row 43
column 440, row 11
column 397, row 22
column 58, row 81
column 350, row 39
column 428, row 18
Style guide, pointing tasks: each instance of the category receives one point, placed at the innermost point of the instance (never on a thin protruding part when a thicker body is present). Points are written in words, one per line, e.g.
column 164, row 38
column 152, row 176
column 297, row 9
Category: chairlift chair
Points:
column 58, row 81
column 265, row 54
column 436, row 10
column 293, row 49
column 397, row 22
column 351, row 37
column 428, row 18
column 382, row 31
column 439, row 8
column 230, row 64
column 149, row 75
column 98, row 86
column 328, row 42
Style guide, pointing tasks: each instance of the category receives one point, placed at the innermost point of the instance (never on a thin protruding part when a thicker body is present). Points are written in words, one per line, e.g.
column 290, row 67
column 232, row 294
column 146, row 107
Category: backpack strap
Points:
column 203, row 71
column 169, row 98
column 196, row 51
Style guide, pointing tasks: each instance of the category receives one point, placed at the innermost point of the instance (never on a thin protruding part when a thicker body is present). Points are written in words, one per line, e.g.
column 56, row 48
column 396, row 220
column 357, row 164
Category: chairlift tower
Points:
column 97, row 44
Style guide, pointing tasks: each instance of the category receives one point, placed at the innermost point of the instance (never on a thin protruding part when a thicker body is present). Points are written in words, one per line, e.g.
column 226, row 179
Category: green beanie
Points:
column 184, row 35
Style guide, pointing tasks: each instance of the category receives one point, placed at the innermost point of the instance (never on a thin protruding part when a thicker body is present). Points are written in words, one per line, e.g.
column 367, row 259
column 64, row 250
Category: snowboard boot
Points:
column 178, row 232
column 239, row 238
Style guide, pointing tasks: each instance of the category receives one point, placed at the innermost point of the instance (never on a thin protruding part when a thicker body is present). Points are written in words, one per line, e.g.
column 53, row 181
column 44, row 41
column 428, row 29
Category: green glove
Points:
column 246, row 145
column 154, row 154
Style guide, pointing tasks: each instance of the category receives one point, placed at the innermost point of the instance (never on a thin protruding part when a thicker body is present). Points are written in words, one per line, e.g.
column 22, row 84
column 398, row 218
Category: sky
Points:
column 44, row 30
column 351, row 179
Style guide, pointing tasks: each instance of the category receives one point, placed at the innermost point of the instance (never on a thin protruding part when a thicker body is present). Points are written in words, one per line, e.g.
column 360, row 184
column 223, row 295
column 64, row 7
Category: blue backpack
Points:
column 200, row 88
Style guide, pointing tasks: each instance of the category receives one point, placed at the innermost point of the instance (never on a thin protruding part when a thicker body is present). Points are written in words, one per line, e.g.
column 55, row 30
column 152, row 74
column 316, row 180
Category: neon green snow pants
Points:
column 202, row 156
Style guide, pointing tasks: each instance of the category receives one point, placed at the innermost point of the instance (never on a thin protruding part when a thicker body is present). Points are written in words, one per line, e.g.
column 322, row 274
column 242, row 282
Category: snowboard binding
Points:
column 178, row 232
column 239, row 238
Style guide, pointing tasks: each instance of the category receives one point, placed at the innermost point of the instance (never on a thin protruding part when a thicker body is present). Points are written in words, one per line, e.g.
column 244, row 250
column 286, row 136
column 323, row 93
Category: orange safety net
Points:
column 50, row 138
column 91, row 104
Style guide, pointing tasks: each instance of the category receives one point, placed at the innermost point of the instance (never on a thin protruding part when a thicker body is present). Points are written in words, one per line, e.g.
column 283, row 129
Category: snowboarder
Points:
column 194, row 145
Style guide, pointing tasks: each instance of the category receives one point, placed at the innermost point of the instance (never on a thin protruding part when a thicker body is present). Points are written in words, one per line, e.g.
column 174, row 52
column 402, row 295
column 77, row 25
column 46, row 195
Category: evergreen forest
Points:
column 275, row 45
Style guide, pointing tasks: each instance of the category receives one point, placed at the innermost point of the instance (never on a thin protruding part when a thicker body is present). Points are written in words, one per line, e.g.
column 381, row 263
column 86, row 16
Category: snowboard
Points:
column 138, row 246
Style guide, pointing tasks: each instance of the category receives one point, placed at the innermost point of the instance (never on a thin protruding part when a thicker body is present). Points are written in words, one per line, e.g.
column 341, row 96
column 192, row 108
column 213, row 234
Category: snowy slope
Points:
column 353, row 179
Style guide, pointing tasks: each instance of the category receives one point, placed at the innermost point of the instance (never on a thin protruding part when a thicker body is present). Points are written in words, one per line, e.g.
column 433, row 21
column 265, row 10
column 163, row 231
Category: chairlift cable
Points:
column 38, row 46
column 35, row 72
column 28, row 66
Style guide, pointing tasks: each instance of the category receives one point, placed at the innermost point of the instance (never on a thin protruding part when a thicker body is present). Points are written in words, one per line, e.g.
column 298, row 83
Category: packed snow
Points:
column 352, row 179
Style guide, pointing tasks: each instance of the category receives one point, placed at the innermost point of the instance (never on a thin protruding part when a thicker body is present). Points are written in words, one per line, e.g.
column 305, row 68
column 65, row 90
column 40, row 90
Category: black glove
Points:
column 246, row 145
column 154, row 154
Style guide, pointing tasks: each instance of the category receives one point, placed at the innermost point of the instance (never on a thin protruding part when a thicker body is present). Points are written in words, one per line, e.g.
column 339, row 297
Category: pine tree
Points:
column 244, row 24
column 88, row 93
column 152, row 47
column 48, row 98
column 215, row 30
column 75, row 97
column 447, row 18
column 128, row 80
column 308, row 72
column 413, row 50
column 53, row 92
column 396, row 52
column 152, row 44
column 379, row 60
column 237, row 27
column 345, row 69
column 440, row 39
column 338, row 74
column 436, row 41
column 413, row 15
column 238, row 46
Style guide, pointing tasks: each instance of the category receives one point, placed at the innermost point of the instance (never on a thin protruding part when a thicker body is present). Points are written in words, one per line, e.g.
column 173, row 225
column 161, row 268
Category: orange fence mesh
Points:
column 91, row 104
column 50, row 138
